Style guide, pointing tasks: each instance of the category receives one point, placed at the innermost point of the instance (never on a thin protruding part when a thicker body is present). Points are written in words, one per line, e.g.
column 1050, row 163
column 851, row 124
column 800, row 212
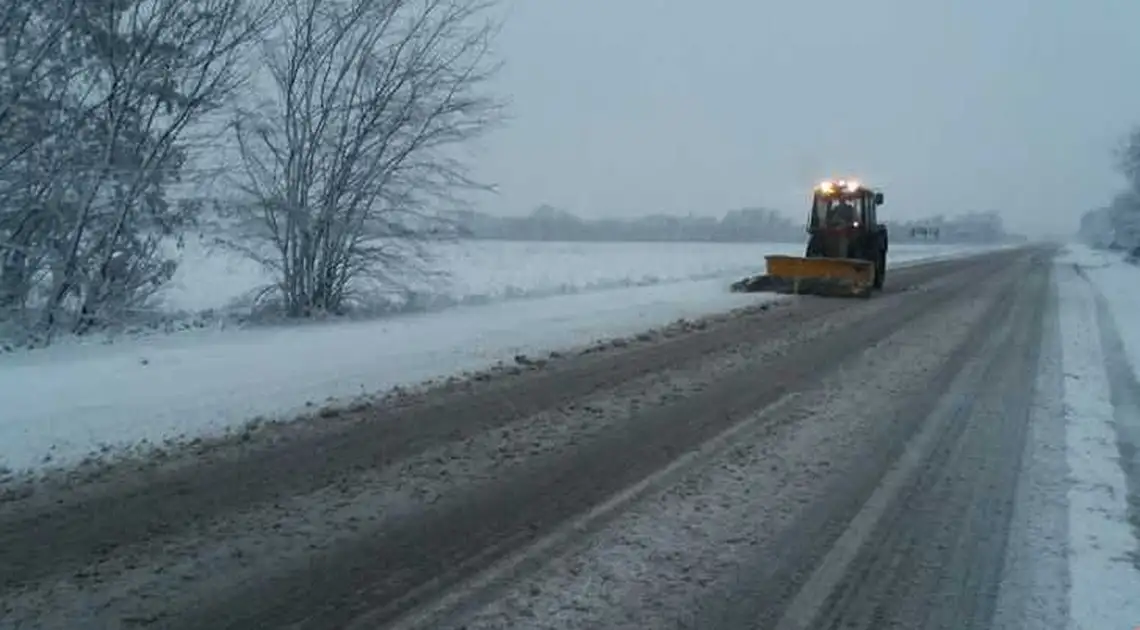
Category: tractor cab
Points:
column 843, row 205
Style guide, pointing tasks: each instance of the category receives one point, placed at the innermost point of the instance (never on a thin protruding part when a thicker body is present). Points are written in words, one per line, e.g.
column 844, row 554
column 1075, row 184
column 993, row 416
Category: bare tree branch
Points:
column 346, row 164
column 120, row 86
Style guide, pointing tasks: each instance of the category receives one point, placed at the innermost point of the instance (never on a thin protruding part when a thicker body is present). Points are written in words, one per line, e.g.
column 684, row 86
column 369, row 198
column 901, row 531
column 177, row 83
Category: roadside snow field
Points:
column 479, row 272
column 1100, row 324
column 61, row 404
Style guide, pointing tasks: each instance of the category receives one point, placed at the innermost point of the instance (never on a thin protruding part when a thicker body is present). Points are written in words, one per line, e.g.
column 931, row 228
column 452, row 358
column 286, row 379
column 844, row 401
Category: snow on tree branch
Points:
column 348, row 159
column 96, row 103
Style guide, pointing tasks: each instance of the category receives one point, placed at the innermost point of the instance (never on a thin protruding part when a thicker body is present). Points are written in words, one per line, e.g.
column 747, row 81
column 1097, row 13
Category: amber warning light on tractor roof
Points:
column 849, row 185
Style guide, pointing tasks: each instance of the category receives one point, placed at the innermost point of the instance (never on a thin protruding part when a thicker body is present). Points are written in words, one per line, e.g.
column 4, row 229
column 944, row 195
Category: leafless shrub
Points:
column 355, row 145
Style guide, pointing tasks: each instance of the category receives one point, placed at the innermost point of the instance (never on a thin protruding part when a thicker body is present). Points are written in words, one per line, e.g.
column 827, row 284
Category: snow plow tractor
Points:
column 846, row 250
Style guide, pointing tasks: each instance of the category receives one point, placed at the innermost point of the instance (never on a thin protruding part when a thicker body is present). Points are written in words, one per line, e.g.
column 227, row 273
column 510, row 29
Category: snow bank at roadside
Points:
column 62, row 403
column 1104, row 555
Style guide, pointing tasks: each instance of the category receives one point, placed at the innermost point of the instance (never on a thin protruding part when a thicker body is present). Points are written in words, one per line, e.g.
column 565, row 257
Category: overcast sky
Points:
column 625, row 107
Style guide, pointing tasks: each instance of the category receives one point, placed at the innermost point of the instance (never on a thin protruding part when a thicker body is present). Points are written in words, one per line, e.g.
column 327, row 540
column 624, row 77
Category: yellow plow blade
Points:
column 858, row 271
column 814, row 276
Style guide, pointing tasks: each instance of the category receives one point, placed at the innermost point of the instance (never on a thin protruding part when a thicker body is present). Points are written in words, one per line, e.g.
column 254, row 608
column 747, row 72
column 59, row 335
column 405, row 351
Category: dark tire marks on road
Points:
column 413, row 558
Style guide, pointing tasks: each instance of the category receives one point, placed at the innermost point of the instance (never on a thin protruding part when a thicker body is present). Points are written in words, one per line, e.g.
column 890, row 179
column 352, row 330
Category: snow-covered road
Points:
column 956, row 453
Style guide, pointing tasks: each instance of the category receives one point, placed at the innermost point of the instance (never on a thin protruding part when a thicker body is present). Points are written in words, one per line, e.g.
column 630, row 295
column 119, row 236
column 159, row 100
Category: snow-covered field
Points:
column 64, row 403
column 480, row 272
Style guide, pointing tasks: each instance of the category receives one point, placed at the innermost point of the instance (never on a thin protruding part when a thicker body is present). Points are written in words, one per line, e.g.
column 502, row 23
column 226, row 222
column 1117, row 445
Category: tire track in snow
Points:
column 660, row 566
column 683, row 558
column 232, row 550
column 1035, row 582
column 934, row 558
column 448, row 546
column 51, row 533
column 132, row 501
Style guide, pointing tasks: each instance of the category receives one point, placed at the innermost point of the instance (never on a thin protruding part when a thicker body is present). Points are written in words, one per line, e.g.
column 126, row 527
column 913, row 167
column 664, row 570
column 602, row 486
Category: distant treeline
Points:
column 552, row 224
column 1116, row 226
column 745, row 225
column 976, row 227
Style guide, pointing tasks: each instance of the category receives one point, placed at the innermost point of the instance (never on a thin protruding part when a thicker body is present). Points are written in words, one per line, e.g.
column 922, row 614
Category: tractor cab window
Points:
column 836, row 211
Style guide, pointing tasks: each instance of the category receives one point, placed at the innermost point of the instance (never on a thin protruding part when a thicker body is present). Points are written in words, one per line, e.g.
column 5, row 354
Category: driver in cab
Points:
column 841, row 214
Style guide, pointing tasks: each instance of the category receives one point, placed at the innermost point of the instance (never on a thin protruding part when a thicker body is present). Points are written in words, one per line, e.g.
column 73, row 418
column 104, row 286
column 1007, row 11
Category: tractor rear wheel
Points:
column 880, row 270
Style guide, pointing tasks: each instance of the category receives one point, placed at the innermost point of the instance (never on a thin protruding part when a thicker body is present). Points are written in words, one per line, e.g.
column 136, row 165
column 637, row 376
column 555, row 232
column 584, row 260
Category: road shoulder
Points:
column 1103, row 574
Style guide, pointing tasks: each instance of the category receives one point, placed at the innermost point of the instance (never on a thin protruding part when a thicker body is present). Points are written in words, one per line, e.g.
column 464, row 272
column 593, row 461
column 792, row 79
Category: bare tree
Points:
column 1116, row 226
column 1129, row 159
column 32, row 59
column 356, row 145
column 31, row 32
column 128, row 80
